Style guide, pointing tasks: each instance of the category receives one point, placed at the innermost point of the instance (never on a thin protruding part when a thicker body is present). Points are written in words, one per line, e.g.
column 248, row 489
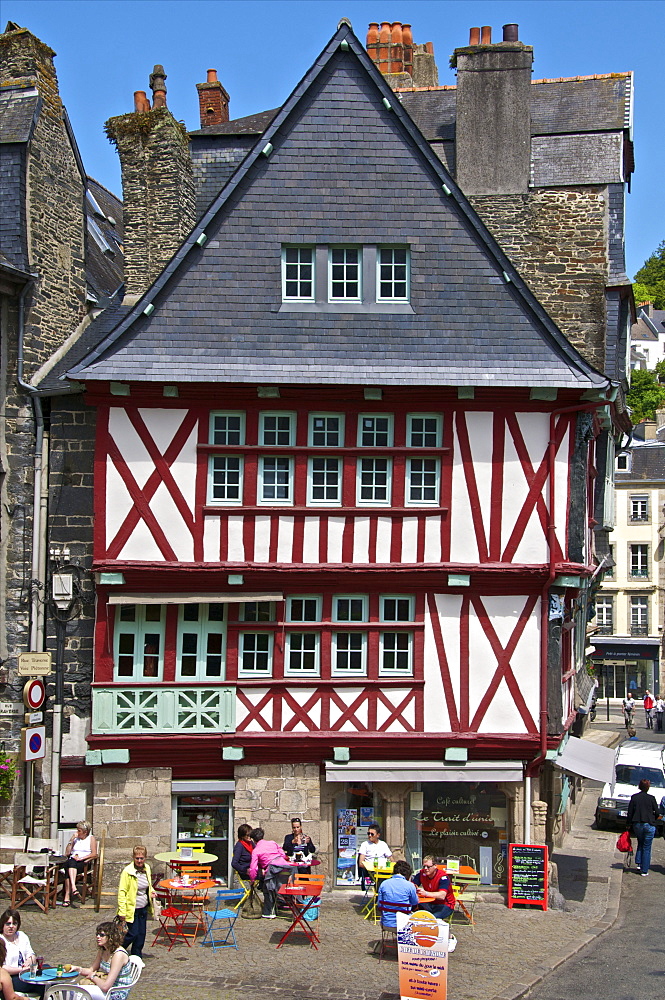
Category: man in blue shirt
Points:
column 398, row 891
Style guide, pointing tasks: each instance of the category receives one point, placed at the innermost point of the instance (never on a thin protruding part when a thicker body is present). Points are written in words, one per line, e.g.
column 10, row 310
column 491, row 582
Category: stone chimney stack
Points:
column 213, row 101
column 404, row 65
column 493, row 137
column 157, row 185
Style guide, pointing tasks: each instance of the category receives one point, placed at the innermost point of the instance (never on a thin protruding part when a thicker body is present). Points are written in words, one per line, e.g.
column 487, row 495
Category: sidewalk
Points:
column 506, row 953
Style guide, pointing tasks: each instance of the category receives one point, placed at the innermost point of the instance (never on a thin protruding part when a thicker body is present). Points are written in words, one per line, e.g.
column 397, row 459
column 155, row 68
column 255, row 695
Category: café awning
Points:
column 589, row 760
column 425, row 770
column 189, row 598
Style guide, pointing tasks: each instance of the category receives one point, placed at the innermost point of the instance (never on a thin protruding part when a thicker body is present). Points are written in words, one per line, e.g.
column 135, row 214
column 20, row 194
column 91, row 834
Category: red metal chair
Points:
column 171, row 920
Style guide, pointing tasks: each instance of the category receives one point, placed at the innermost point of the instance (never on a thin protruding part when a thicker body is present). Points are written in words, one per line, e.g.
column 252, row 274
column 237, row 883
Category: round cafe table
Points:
column 196, row 859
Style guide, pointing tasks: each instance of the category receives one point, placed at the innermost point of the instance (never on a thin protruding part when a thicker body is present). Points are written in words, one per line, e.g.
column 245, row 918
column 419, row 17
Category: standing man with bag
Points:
column 642, row 816
column 628, row 705
column 135, row 894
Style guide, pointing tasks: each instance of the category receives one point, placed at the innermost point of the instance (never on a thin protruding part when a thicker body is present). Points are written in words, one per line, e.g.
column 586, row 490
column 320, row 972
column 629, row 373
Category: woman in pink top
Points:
column 269, row 860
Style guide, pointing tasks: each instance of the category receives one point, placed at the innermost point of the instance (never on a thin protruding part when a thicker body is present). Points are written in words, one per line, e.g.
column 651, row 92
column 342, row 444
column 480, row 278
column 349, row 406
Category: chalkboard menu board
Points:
column 527, row 874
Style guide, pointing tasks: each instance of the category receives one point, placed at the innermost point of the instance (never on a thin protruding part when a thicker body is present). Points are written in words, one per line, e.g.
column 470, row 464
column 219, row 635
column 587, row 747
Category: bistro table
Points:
column 175, row 860
column 195, row 886
column 369, row 911
column 299, row 898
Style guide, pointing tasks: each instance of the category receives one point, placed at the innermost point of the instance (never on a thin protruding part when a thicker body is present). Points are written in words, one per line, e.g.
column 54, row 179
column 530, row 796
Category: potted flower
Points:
column 7, row 775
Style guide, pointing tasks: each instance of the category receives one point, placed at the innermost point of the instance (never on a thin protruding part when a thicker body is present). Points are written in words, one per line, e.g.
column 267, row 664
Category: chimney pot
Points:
column 140, row 100
column 384, row 47
column 407, row 40
column 429, row 48
column 373, row 33
column 486, row 34
column 511, row 32
column 397, row 48
column 474, row 36
column 212, row 76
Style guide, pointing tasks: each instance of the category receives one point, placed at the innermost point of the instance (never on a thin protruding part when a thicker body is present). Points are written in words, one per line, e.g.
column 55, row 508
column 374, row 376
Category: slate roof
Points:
column 647, row 460
column 52, row 379
column 18, row 113
column 250, row 125
column 104, row 260
column 217, row 314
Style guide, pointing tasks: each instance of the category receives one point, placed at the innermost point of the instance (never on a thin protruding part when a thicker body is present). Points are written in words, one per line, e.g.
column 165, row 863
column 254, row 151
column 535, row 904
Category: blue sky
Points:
column 106, row 50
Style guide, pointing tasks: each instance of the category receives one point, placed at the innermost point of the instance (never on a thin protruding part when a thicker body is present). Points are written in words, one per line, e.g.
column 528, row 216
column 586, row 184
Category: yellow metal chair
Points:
column 246, row 886
column 198, row 848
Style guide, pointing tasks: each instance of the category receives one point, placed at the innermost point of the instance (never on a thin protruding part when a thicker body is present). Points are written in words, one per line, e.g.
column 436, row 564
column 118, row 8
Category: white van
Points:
column 635, row 759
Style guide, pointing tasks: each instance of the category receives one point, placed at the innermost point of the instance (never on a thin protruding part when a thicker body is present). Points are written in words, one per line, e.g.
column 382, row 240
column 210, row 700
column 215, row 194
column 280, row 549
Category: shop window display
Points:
column 355, row 808
column 204, row 819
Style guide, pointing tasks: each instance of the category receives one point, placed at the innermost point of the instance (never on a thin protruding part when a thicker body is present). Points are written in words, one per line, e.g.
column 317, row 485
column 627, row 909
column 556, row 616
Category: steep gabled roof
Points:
column 345, row 164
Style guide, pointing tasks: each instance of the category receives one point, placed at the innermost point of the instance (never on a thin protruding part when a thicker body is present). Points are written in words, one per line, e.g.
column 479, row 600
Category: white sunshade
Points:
column 424, row 770
column 589, row 760
column 235, row 598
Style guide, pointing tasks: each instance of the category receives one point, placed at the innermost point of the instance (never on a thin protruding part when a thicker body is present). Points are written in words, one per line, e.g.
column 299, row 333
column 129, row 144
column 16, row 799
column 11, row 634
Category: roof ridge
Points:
column 552, row 79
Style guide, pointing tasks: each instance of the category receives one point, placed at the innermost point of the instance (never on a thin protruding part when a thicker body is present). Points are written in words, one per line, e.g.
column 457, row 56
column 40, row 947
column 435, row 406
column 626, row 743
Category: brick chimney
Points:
column 157, row 185
column 404, row 65
column 213, row 101
column 493, row 132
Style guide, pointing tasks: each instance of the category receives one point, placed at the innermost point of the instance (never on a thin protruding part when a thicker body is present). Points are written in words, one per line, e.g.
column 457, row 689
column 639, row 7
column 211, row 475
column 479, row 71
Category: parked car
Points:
column 635, row 759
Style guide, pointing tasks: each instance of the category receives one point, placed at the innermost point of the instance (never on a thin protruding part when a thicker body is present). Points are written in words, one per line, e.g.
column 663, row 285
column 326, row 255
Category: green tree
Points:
column 646, row 393
column 650, row 279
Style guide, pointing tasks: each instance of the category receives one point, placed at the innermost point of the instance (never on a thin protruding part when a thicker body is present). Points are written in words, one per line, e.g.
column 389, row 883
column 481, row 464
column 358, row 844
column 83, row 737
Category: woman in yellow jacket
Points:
column 135, row 894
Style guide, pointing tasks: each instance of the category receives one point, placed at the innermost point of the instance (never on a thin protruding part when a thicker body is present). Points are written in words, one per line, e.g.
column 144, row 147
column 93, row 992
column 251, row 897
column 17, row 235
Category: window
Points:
column 396, row 609
column 200, row 643
column 422, row 486
column 139, row 641
column 275, row 480
column 373, row 481
column 639, row 616
column 424, row 430
column 303, row 609
column 349, row 652
column 396, row 650
column 326, row 430
column 298, row 273
column 623, row 462
column 639, row 562
column 255, row 653
column 604, row 615
column 302, row 653
column 227, row 428
column 325, row 481
column 257, row 611
column 392, row 274
column 225, row 480
column 639, row 507
column 609, row 566
column 350, row 609
column 277, row 429
column 375, row 431
column 344, row 269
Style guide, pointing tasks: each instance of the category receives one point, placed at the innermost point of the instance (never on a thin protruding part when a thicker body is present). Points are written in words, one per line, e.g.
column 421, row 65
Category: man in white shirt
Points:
column 371, row 850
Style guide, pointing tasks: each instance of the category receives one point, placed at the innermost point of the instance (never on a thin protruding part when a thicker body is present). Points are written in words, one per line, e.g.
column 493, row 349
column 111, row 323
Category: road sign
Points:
column 33, row 718
column 34, row 693
column 34, row 664
column 33, row 739
column 10, row 708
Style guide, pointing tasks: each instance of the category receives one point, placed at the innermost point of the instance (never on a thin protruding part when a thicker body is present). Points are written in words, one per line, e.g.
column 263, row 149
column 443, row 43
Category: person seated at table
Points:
column 431, row 881
column 298, row 843
column 398, row 891
column 269, row 860
column 18, row 953
column 111, row 965
column 242, row 852
column 7, row 991
column 81, row 847
column 373, row 849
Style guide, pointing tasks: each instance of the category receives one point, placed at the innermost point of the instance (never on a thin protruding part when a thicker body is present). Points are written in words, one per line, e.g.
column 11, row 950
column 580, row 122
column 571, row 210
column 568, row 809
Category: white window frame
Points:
column 289, row 431
column 345, row 264
column 409, row 501
column 325, row 416
column 225, row 501
column 603, row 603
column 397, row 597
column 350, row 597
column 302, row 671
column 639, row 559
column 224, row 441
column 389, row 430
column 139, row 628
column 385, row 671
column 410, row 430
column 313, row 501
column 639, row 603
column 303, row 597
column 361, row 470
column 347, row 671
column 242, row 670
column 203, row 628
column 299, row 264
column 639, row 502
column 393, row 281
column 275, row 501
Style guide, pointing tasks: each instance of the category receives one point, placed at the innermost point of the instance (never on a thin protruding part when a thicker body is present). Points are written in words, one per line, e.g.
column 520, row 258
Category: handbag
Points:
column 624, row 843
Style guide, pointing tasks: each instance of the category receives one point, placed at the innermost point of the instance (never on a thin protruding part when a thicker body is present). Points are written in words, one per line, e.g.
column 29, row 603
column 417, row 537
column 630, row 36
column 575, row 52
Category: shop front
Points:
column 625, row 665
column 202, row 818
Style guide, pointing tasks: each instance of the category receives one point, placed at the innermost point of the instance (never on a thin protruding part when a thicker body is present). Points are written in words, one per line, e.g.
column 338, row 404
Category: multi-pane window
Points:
column 349, row 652
column 623, row 462
column 275, row 479
column 255, row 653
column 326, row 430
column 344, row 271
column 396, row 652
column 639, row 562
column 422, row 485
column 423, row 430
column 200, row 642
column 604, row 615
column 392, row 274
column 396, row 608
column 303, row 609
column 139, row 641
column 373, row 481
column 350, row 609
column 257, row 611
column 277, row 429
column 302, row 653
column 225, row 480
column 325, row 481
column 639, row 615
column 375, row 431
column 298, row 273
column 227, row 428
column 639, row 507
column 609, row 565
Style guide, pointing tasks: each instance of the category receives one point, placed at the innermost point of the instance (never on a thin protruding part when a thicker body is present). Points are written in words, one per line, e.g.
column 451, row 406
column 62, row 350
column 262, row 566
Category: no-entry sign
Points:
column 34, row 693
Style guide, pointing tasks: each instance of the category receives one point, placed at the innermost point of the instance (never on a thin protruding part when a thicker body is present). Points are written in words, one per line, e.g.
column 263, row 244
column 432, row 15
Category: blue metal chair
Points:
column 220, row 921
